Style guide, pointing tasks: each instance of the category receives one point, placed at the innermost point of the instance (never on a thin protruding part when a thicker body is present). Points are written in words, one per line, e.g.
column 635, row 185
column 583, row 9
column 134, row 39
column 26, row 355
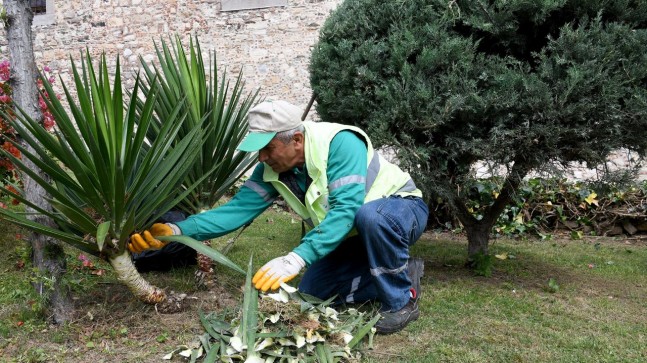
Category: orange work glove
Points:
column 138, row 244
column 280, row 269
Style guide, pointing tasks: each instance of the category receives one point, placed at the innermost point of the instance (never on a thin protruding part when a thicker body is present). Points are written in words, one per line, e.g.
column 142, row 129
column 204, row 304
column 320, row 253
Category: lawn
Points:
column 557, row 300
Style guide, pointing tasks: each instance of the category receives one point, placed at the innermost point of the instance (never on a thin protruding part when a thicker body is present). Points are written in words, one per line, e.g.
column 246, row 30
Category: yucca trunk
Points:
column 129, row 276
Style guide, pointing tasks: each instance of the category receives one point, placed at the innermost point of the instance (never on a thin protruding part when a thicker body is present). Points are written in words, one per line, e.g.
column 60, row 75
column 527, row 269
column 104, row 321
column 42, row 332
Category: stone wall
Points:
column 271, row 46
column 617, row 161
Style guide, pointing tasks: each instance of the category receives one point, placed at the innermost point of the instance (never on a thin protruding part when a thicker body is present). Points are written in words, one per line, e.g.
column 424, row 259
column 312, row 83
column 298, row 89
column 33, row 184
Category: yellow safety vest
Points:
column 382, row 178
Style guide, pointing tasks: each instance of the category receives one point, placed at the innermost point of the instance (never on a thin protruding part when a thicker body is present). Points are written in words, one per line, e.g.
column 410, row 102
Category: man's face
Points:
column 283, row 157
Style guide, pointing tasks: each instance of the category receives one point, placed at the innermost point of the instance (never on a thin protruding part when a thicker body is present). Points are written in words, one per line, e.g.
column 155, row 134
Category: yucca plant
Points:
column 210, row 102
column 107, row 178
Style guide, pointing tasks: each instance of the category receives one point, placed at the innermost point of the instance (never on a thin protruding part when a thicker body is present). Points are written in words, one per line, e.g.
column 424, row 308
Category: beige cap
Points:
column 266, row 119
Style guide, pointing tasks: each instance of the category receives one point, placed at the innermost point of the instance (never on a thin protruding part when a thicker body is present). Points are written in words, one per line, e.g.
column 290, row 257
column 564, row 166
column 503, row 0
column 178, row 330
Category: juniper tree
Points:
column 517, row 84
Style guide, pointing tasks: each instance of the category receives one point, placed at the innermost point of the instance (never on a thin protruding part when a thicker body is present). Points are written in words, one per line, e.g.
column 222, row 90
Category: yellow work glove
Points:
column 138, row 244
column 280, row 269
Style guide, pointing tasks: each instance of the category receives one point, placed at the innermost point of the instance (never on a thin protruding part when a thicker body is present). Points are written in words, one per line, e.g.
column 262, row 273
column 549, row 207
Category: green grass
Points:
column 593, row 312
column 596, row 313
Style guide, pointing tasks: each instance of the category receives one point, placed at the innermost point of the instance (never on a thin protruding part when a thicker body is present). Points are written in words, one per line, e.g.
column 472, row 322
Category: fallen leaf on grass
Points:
column 591, row 199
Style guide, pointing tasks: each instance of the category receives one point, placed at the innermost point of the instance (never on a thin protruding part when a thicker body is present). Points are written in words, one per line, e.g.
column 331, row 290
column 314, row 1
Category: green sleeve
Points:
column 346, row 174
column 252, row 199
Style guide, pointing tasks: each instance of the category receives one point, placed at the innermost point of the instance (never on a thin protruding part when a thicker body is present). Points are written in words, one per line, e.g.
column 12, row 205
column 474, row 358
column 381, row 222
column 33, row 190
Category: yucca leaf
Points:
column 324, row 354
column 102, row 232
column 218, row 329
column 81, row 219
column 46, row 164
column 48, row 187
column 101, row 165
column 213, row 355
column 57, row 217
column 361, row 333
column 137, row 126
column 249, row 320
column 205, row 250
column 180, row 79
column 72, row 239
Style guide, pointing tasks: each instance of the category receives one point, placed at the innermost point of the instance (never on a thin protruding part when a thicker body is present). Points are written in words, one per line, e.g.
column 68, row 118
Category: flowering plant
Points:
column 8, row 172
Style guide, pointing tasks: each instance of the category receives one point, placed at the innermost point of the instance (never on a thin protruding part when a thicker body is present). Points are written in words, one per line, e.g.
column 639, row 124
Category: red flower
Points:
column 12, row 149
column 48, row 121
column 6, row 164
column 4, row 70
column 11, row 189
column 7, row 133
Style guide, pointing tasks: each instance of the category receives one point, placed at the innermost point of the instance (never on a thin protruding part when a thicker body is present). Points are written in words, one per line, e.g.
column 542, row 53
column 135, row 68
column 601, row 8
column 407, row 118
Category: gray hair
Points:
column 286, row 136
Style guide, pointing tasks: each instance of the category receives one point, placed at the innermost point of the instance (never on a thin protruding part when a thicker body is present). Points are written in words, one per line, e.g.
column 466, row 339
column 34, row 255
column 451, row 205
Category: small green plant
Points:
column 483, row 264
column 34, row 355
column 162, row 337
column 553, row 286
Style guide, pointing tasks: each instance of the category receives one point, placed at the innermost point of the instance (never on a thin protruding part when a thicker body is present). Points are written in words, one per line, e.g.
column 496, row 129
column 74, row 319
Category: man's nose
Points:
column 262, row 156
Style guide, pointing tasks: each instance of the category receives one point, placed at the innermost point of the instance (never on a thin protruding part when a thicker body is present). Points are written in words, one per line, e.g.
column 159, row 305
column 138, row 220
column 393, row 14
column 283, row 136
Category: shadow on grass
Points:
column 529, row 263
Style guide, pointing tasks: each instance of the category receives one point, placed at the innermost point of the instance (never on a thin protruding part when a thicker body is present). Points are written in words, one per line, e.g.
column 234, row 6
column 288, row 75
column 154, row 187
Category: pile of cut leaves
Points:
column 287, row 326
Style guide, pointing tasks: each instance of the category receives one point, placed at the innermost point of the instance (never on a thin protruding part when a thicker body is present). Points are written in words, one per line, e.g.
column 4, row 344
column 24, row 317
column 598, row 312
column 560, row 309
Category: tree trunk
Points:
column 478, row 237
column 478, row 231
column 48, row 256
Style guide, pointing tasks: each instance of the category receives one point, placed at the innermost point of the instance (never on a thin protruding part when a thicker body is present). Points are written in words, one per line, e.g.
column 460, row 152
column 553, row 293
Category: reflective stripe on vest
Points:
column 345, row 181
column 259, row 190
column 408, row 188
column 374, row 169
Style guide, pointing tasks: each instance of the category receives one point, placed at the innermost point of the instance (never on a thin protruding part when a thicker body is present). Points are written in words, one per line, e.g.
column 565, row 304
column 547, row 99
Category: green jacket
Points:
column 382, row 178
column 342, row 165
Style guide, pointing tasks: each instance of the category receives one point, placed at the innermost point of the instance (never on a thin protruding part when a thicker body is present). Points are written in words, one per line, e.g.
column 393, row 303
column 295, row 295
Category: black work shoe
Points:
column 415, row 270
column 394, row 321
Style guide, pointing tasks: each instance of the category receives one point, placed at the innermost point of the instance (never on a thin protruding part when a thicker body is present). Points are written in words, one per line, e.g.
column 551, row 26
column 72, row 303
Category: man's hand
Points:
column 138, row 244
column 280, row 269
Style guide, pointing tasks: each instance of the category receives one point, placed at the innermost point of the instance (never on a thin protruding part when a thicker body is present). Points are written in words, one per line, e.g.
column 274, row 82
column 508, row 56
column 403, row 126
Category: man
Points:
column 364, row 212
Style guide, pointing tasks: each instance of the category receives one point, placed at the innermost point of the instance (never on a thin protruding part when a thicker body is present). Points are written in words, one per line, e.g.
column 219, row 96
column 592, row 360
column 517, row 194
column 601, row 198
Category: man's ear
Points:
column 298, row 138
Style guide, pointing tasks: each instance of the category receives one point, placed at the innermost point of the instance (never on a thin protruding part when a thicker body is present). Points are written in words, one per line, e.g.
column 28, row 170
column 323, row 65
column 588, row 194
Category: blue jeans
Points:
column 373, row 264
